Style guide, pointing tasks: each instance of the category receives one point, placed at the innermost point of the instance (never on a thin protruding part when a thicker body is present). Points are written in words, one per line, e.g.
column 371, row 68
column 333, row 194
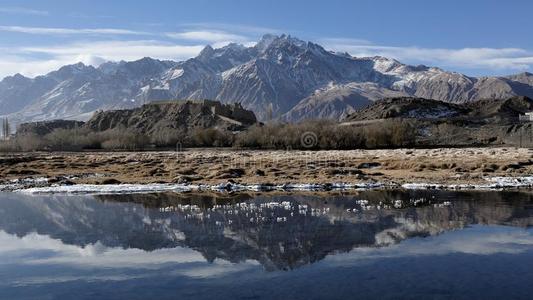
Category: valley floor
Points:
column 214, row 166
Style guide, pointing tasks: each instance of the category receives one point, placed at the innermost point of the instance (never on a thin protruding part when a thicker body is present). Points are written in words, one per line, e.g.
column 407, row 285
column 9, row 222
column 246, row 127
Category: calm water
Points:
column 434, row 245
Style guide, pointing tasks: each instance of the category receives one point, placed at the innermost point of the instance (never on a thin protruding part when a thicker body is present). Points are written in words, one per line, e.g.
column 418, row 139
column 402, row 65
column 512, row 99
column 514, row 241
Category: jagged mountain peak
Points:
column 110, row 66
column 385, row 64
column 16, row 79
column 18, row 76
column 232, row 50
column 77, row 67
column 206, row 53
column 270, row 42
column 288, row 51
column 292, row 40
column 146, row 65
column 524, row 77
column 344, row 54
column 71, row 71
column 146, row 62
column 234, row 46
column 391, row 65
column 219, row 59
column 265, row 41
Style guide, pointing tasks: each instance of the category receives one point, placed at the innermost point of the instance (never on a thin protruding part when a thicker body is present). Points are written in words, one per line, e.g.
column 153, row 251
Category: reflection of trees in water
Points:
column 279, row 231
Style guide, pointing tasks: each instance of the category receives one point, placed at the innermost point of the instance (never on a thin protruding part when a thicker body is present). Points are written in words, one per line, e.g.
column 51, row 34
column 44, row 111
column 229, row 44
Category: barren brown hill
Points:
column 183, row 115
column 488, row 111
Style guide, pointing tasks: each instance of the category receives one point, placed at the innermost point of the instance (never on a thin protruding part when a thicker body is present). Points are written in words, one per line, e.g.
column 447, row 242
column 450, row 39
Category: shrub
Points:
column 329, row 135
column 323, row 135
column 30, row 143
column 169, row 137
column 123, row 139
column 8, row 146
column 71, row 139
column 210, row 137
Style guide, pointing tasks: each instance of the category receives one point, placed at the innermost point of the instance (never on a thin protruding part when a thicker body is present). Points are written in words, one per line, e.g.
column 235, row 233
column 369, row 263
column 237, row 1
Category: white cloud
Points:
column 70, row 31
column 22, row 60
column 185, row 261
column 10, row 65
column 121, row 50
column 476, row 240
column 23, row 11
column 344, row 41
column 235, row 28
column 78, row 15
column 207, row 36
column 186, row 43
column 483, row 58
column 180, row 45
column 37, row 60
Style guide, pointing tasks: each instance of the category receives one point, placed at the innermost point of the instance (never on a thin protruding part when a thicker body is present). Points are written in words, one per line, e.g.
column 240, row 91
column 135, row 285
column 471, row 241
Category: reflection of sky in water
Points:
column 476, row 261
column 37, row 264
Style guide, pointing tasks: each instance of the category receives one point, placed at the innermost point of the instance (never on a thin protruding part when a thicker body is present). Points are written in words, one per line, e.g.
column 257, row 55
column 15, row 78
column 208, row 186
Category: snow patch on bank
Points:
column 526, row 181
column 493, row 183
column 154, row 188
column 21, row 183
column 107, row 189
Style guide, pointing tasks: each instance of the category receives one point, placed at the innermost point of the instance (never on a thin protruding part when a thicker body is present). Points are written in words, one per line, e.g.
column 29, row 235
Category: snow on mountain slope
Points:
column 297, row 79
column 336, row 101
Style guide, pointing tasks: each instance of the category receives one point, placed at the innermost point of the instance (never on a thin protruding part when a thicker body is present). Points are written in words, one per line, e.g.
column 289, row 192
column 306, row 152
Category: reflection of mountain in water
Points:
column 281, row 232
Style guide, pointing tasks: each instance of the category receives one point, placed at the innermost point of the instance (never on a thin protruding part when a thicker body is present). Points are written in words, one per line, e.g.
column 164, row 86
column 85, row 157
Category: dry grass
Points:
column 276, row 166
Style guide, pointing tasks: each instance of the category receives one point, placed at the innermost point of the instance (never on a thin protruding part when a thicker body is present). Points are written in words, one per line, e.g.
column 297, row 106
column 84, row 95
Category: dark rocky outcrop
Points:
column 437, row 123
column 500, row 111
column 408, row 107
column 46, row 127
column 487, row 111
column 184, row 115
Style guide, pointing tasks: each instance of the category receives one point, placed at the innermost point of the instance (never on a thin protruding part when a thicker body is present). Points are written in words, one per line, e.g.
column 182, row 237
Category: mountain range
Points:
column 280, row 77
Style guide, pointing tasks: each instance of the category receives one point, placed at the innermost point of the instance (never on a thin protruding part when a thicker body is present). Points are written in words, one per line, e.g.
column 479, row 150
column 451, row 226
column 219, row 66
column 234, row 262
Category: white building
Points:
column 527, row 117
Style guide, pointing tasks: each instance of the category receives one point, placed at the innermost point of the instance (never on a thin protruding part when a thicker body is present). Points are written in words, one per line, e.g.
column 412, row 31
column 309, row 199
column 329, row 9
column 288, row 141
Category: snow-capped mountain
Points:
column 280, row 76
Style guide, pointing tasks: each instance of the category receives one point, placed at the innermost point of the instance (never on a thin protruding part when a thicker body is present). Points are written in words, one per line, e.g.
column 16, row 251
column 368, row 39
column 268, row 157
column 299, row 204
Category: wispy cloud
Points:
column 476, row 240
column 94, row 45
column 207, row 36
column 87, row 16
column 216, row 37
column 234, row 28
column 121, row 50
column 344, row 42
column 179, row 261
column 482, row 58
column 70, row 31
column 23, row 11
column 34, row 61
column 41, row 59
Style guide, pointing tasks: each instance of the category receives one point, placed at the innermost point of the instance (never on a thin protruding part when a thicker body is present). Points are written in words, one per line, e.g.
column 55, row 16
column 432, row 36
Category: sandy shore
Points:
column 441, row 166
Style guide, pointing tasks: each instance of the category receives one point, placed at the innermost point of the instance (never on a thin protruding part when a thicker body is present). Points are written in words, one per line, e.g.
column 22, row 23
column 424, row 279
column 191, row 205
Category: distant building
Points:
column 527, row 117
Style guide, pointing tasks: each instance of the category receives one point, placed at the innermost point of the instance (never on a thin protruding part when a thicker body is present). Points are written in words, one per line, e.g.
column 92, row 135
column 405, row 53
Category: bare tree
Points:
column 270, row 112
column 5, row 129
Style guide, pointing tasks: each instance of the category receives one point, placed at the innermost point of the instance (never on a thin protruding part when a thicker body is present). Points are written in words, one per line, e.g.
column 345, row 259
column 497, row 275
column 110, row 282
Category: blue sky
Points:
column 473, row 37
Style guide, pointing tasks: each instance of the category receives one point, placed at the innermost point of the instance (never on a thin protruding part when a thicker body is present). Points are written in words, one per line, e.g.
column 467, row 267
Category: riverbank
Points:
column 217, row 167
